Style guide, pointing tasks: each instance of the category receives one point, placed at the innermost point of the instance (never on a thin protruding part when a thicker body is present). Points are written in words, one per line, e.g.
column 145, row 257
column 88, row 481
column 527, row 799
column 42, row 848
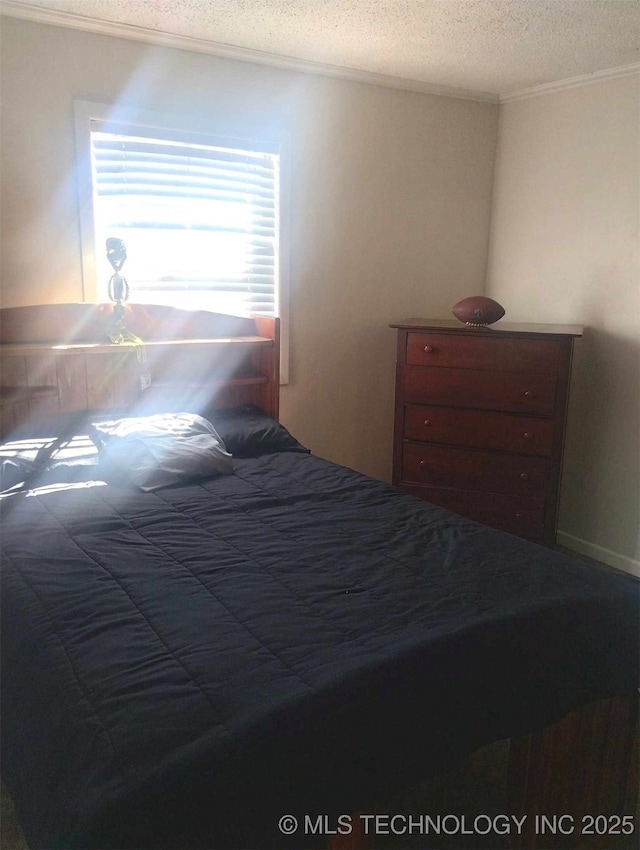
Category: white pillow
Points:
column 164, row 449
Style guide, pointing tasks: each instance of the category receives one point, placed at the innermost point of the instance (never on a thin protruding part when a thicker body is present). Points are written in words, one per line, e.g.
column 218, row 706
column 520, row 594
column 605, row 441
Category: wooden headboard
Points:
column 57, row 358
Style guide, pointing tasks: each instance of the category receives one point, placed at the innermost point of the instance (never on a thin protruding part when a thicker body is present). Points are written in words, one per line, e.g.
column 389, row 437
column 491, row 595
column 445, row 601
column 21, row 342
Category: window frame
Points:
column 86, row 113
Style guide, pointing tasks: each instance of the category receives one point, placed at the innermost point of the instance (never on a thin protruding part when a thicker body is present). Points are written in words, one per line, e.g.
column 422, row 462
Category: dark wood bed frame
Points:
column 57, row 359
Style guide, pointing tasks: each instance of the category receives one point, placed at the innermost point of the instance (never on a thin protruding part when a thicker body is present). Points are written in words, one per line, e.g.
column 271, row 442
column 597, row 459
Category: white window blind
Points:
column 199, row 221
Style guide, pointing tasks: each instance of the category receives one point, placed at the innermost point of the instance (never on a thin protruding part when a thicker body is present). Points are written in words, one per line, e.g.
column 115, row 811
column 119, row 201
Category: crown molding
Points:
column 228, row 51
column 573, row 82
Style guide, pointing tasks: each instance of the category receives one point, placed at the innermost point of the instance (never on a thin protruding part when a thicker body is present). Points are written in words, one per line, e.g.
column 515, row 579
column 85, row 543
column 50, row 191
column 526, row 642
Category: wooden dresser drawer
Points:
column 480, row 418
column 522, row 515
column 469, row 469
column 516, row 392
column 482, row 429
column 508, row 355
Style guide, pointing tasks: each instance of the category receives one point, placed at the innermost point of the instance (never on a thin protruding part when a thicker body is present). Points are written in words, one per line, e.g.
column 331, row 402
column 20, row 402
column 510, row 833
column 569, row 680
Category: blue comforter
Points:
column 180, row 668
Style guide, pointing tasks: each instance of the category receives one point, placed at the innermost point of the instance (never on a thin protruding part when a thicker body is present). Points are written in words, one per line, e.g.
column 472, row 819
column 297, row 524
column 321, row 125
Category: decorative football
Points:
column 478, row 311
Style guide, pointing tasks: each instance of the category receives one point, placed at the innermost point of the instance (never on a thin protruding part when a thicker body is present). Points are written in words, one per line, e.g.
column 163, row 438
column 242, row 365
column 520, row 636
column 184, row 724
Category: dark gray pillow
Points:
column 248, row 432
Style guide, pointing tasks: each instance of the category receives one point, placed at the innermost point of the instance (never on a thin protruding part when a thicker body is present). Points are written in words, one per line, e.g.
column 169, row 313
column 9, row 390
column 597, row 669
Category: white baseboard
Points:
column 599, row 553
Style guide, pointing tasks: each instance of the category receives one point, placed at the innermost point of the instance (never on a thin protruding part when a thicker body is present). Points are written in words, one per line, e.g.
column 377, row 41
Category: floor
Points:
column 11, row 837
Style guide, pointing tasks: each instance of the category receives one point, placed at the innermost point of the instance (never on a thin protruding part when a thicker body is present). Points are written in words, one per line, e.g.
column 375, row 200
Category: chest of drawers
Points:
column 480, row 419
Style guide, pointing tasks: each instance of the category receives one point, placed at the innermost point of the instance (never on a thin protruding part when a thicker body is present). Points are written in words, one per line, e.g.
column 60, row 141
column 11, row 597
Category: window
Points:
column 200, row 215
column 200, row 222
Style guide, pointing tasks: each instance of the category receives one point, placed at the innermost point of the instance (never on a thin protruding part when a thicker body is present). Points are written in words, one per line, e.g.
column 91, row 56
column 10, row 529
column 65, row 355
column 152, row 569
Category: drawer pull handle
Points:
column 529, row 394
column 422, row 463
column 518, row 516
column 428, row 349
column 427, row 422
column 528, row 435
column 524, row 476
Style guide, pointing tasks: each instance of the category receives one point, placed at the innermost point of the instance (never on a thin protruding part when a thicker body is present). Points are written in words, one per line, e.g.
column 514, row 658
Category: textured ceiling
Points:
column 492, row 46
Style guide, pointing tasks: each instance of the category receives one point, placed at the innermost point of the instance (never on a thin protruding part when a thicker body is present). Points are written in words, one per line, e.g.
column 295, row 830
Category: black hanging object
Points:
column 116, row 252
column 119, row 293
column 118, row 286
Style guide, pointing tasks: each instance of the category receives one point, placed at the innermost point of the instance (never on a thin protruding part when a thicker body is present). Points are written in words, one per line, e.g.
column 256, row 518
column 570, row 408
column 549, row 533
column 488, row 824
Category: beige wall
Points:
column 565, row 248
column 390, row 196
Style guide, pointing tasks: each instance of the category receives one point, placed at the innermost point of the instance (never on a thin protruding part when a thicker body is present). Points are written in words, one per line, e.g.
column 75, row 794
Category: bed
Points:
column 186, row 661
